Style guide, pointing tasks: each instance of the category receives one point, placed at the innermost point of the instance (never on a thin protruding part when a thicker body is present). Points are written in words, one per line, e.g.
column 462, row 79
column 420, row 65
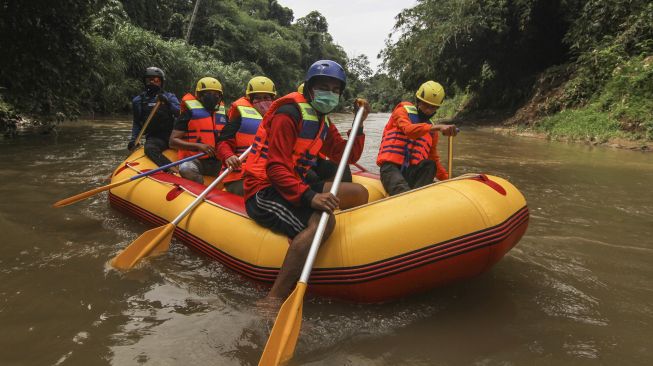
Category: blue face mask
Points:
column 325, row 101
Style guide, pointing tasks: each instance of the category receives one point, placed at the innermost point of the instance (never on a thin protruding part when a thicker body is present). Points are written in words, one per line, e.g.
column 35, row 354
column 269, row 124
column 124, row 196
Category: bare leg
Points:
column 296, row 256
column 350, row 194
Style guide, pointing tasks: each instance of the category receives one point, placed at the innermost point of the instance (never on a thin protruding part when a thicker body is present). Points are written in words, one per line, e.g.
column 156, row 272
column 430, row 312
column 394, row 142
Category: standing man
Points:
column 408, row 154
column 158, row 130
column 245, row 115
column 197, row 129
column 290, row 137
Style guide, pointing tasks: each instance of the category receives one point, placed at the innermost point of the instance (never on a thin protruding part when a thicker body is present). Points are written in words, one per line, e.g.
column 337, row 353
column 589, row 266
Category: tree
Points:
column 46, row 53
column 360, row 66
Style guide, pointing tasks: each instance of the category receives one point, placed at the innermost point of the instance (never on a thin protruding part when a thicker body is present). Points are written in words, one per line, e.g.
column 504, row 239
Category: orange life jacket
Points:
column 250, row 119
column 396, row 147
column 220, row 114
column 312, row 133
column 202, row 126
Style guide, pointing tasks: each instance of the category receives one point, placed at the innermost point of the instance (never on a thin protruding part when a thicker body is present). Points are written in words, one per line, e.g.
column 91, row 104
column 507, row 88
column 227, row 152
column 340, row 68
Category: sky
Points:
column 359, row 26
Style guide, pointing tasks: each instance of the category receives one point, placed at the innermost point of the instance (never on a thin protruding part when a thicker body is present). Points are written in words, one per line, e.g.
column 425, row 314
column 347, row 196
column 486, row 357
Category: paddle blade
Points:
column 285, row 332
column 154, row 241
column 87, row 194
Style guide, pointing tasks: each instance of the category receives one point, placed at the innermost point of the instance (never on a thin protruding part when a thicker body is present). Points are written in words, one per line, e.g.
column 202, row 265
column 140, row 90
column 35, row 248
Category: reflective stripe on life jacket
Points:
column 312, row 133
column 250, row 119
column 201, row 127
column 396, row 147
column 220, row 115
column 220, row 118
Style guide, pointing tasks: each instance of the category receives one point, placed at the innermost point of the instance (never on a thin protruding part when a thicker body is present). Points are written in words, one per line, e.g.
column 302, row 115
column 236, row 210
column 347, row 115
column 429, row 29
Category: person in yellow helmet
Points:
column 197, row 129
column 408, row 156
column 245, row 114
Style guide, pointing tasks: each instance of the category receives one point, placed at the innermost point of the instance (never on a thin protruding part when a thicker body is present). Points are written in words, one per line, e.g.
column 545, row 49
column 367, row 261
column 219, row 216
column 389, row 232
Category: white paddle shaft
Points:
column 324, row 218
column 208, row 189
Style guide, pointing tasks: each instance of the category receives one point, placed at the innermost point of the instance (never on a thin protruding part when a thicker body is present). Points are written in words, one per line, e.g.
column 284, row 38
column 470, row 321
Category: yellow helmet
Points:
column 208, row 83
column 260, row 84
column 300, row 88
column 431, row 92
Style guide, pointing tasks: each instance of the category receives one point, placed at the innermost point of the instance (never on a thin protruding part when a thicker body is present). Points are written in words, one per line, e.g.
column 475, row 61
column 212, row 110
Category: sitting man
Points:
column 245, row 115
column 290, row 137
column 408, row 154
column 197, row 129
column 158, row 130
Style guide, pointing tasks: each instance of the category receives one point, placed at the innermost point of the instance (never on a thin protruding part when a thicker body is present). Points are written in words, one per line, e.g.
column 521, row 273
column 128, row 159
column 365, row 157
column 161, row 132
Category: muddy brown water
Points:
column 576, row 290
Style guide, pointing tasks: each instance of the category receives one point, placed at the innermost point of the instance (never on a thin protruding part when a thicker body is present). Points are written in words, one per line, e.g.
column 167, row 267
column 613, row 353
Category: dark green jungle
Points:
column 579, row 70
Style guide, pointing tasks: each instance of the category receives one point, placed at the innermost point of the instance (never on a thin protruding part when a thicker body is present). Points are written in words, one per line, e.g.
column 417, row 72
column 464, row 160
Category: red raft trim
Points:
column 348, row 275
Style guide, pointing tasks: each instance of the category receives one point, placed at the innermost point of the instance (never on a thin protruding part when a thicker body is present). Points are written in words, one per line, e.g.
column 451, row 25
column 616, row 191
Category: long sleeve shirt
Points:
column 282, row 135
column 416, row 130
column 226, row 146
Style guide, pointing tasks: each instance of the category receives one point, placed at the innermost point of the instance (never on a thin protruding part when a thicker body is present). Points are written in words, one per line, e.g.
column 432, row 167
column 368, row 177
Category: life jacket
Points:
column 312, row 133
column 396, row 147
column 201, row 127
column 220, row 115
column 250, row 119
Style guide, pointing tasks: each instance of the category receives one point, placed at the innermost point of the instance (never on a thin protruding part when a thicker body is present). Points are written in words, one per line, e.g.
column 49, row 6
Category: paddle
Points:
column 84, row 195
column 360, row 167
column 283, row 337
column 147, row 123
column 157, row 240
column 450, row 156
column 137, row 141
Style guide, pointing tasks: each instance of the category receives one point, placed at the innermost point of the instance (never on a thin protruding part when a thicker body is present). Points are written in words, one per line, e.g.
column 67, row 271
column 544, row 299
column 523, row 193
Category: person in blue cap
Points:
column 279, row 191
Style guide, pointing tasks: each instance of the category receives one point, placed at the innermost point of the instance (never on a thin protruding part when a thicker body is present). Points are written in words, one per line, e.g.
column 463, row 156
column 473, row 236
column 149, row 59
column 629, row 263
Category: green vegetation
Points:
column 66, row 58
column 623, row 108
column 575, row 68
column 590, row 61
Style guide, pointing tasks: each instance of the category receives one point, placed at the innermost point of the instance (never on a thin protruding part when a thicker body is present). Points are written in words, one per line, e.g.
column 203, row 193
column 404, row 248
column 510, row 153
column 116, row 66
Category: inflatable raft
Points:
column 389, row 248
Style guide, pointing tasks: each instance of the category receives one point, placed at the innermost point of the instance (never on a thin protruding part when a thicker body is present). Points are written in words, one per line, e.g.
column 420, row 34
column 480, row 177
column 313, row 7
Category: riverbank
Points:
column 614, row 142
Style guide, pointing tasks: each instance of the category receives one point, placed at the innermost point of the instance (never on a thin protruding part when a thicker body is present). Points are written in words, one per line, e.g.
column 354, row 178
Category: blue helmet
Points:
column 326, row 68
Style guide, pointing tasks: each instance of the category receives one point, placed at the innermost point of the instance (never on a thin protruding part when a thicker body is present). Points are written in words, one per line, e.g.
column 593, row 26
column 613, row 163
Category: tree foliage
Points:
column 67, row 57
column 45, row 54
column 493, row 46
column 501, row 50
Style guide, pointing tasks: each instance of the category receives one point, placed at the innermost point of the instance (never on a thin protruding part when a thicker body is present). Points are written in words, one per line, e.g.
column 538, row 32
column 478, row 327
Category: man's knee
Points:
column 392, row 179
column 428, row 167
column 190, row 171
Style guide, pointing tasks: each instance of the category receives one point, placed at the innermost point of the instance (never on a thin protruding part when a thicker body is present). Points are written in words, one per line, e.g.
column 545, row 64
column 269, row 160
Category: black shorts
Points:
column 269, row 209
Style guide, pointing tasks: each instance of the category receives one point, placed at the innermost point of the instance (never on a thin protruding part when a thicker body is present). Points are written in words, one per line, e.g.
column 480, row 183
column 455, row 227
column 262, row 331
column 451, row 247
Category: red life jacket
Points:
column 250, row 119
column 202, row 126
column 312, row 133
column 396, row 147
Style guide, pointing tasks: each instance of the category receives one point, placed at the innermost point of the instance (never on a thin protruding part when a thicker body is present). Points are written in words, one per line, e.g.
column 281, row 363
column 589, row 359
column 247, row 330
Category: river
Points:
column 576, row 290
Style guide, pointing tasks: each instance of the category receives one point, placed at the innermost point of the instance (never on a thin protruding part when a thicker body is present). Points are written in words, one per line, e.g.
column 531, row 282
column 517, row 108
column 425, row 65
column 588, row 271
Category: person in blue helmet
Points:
column 279, row 193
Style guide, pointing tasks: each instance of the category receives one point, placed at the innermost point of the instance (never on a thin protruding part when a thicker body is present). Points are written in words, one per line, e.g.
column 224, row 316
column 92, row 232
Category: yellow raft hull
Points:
column 386, row 249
